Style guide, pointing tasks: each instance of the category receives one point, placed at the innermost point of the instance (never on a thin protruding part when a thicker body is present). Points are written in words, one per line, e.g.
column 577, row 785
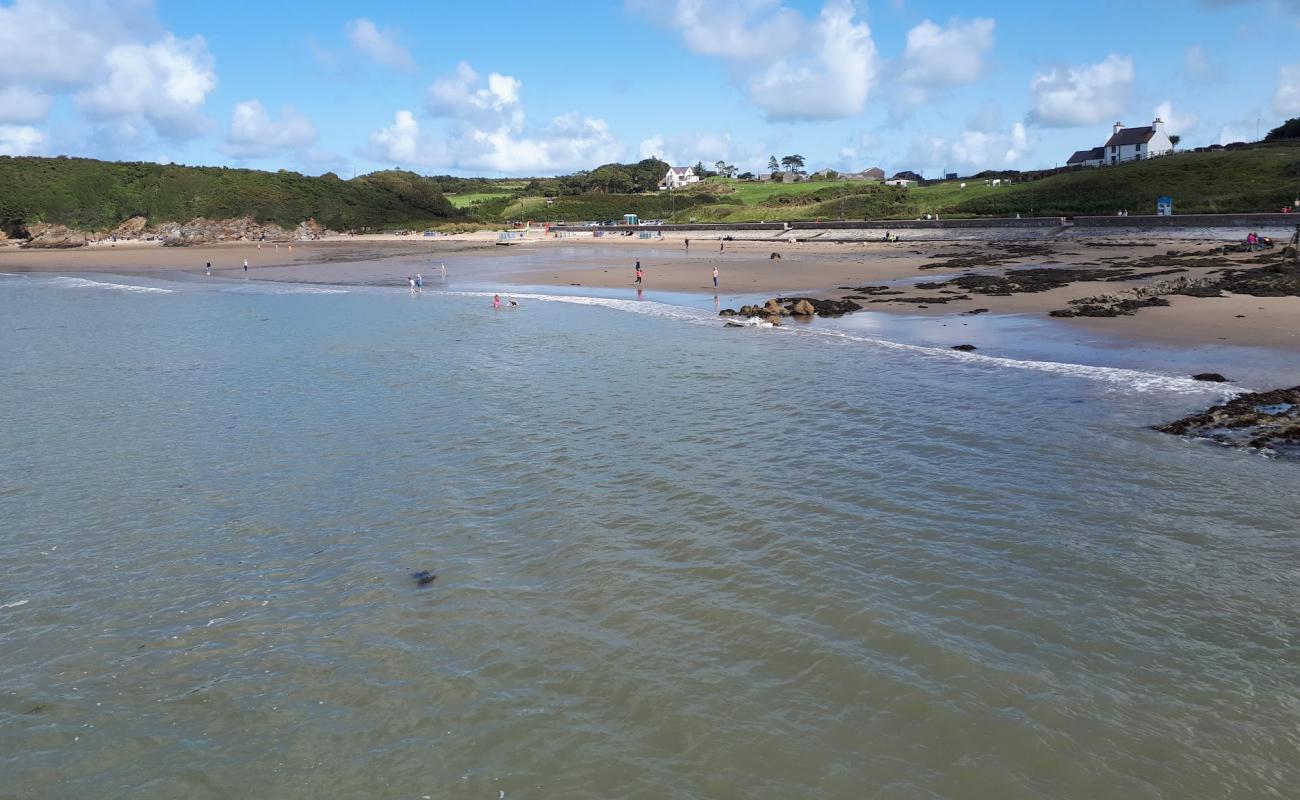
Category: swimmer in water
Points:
column 513, row 303
column 496, row 301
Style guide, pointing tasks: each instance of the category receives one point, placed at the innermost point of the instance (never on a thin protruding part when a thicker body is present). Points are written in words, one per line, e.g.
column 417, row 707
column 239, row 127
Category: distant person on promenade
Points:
column 715, row 277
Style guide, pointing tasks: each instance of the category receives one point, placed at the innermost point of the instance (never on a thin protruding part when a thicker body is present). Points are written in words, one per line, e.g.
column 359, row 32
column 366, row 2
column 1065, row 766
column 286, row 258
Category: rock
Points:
column 975, row 311
column 55, row 237
column 424, row 577
column 1211, row 377
column 823, row 308
column 1260, row 420
column 727, row 312
column 773, row 308
column 130, row 229
column 965, row 348
column 802, row 309
column 774, row 321
column 731, row 324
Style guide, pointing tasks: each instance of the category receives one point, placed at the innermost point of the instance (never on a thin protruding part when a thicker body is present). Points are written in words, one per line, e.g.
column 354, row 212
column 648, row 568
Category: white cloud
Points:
column 380, row 46
column 117, row 60
column 1176, row 124
column 947, row 56
column 165, row 82
column 982, row 144
column 253, row 134
column 1287, row 99
column 485, row 131
column 791, row 67
column 686, row 149
column 20, row 140
column 23, row 104
column 1085, row 95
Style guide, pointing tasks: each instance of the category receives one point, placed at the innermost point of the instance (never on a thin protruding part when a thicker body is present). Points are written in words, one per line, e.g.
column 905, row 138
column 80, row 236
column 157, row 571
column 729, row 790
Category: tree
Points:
column 794, row 163
column 746, row 176
column 772, row 164
column 1175, row 139
column 1287, row 130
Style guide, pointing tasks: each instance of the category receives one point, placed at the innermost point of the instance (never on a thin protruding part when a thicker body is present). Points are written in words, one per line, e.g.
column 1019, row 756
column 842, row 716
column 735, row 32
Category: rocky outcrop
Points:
column 206, row 231
column 965, row 348
column 1268, row 421
column 132, row 228
column 802, row 309
column 1209, row 377
column 55, row 237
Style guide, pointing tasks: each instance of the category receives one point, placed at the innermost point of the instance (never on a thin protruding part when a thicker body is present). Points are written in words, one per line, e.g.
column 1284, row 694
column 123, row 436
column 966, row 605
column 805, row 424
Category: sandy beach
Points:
column 747, row 268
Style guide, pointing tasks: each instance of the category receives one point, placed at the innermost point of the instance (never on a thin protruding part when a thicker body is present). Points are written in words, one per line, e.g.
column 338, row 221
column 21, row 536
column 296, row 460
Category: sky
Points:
column 525, row 89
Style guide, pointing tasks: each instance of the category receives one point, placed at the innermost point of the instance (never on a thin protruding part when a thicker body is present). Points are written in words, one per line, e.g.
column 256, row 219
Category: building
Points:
column 872, row 174
column 1086, row 158
column 1127, row 144
column 678, row 177
column 904, row 182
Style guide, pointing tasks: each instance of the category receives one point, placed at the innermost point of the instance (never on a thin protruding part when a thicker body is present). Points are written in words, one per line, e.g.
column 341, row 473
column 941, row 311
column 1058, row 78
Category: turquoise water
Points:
column 674, row 560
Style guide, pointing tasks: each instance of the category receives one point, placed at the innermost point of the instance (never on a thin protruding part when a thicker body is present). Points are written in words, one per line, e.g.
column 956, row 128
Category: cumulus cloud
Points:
column 254, row 134
column 570, row 142
column 21, row 104
column 484, row 129
column 1287, row 99
column 381, row 46
column 20, row 140
column 1087, row 95
column 791, row 67
column 115, row 59
column 948, row 55
column 685, row 149
column 165, row 82
column 982, row 144
column 1176, row 123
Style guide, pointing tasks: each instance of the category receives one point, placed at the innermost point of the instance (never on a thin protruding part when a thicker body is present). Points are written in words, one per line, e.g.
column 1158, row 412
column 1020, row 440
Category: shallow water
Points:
column 674, row 560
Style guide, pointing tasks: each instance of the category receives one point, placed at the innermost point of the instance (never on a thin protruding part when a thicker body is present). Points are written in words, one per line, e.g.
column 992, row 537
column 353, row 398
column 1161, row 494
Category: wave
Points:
column 14, row 604
column 262, row 288
column 1130, row 379
column 84, row 283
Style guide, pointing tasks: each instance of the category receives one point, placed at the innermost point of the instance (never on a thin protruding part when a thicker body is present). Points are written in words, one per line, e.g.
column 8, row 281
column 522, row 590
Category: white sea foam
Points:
column 14, row 604
column 83, row 283
column 1117, row 377
column 262, row 288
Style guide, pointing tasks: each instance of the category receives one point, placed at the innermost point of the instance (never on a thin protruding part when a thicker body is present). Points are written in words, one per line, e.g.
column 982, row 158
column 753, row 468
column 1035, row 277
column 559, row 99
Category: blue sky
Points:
column 515, row 88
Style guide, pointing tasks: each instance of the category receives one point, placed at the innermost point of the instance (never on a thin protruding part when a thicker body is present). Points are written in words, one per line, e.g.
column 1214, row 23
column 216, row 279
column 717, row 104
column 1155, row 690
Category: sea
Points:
column 672, row 559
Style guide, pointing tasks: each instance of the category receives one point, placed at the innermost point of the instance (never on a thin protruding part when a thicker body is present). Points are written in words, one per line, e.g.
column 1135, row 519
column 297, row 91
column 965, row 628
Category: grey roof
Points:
column 1095, row 154
column 1131, row 136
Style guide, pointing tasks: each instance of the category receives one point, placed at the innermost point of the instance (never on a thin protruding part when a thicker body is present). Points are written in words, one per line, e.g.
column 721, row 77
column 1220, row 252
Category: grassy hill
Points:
column 1260, row 178
column 96, row 195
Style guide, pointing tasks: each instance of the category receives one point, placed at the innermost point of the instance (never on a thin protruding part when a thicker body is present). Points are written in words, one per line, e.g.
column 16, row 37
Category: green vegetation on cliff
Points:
column 97, row 195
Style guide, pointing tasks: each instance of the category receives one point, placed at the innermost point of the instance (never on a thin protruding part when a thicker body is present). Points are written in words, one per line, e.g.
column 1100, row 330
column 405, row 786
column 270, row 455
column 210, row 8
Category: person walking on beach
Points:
column 638, row 273
column 688, row 244
column 412, row 281
column 208, row 269
column 715, row 277
column 419, row 281
column 245, row 265
column 722, row 247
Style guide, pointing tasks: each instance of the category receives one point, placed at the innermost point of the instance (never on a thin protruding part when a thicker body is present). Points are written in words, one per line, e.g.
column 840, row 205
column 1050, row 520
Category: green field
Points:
column 475, row 198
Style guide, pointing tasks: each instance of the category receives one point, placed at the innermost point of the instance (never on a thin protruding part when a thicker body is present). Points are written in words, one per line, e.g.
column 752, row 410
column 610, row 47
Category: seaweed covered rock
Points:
column 1261, row 420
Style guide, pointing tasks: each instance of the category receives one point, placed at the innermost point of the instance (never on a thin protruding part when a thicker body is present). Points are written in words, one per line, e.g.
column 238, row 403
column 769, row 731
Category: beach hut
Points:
column 631, row 219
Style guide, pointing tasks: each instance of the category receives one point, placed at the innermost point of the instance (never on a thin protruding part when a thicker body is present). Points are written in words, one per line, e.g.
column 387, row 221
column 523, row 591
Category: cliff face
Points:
column 173, row 234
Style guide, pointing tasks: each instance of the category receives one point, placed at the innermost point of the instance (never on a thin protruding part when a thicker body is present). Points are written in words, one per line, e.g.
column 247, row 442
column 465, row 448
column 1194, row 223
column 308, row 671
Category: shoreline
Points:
column 749, row 274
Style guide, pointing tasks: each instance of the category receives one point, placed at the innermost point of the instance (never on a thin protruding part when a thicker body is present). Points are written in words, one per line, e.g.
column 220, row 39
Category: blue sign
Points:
column 1164, row 206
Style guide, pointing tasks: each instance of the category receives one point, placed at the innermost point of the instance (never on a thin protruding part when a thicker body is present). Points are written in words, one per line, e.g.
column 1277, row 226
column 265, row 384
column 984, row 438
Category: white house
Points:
column 903, row 182
column 678, row 177
column 1127, row 144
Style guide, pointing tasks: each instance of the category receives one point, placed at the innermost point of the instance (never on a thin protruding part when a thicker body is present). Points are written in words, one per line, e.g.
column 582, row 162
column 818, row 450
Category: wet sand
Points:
column 745, row 269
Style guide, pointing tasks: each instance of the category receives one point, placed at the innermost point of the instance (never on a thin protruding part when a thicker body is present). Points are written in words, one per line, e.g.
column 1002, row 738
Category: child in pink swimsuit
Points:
column 496, row 301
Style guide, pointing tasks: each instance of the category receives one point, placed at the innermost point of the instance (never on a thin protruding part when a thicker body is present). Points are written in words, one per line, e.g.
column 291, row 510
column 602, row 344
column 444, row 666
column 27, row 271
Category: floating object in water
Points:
column 423, row 577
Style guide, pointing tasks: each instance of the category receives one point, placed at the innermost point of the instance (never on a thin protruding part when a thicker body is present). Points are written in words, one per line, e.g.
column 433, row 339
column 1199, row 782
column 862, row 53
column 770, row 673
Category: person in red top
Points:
column 638, row 272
